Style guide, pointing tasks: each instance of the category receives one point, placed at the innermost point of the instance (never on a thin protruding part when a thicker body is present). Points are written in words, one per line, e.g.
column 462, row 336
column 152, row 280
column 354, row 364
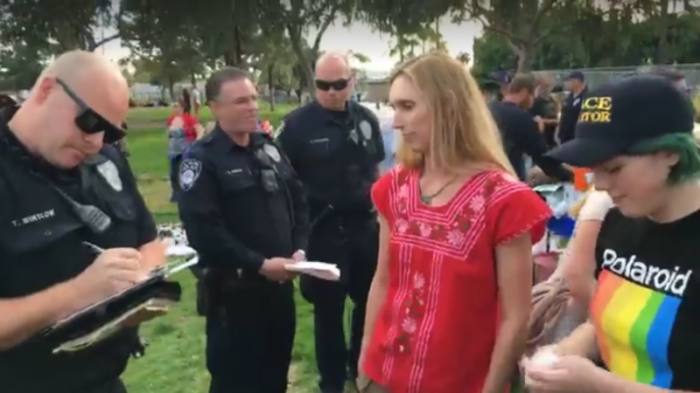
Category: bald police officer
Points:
column 60, row 187
column 335, row 147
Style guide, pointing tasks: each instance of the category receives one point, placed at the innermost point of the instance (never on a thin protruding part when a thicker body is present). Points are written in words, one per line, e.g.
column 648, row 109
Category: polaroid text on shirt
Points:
column 674, row 281
column 596, row 110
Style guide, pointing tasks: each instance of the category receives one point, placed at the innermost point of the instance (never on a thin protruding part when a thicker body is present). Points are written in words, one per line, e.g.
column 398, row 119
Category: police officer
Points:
column 571, row 108
column 245, row 214
column 335, row 147
column 60, row 187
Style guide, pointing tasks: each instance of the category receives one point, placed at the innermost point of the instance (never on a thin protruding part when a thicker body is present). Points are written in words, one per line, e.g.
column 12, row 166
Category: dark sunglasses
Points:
column 89, row 121
column 336, row 85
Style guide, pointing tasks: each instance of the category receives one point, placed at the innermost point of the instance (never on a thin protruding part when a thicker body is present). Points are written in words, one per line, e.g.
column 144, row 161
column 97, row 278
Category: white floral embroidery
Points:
column 402, row 226
column 409, row 325
column 456, row 237
column 477, row 203
column 403, row 191
column 418, row 281
column 425, row 229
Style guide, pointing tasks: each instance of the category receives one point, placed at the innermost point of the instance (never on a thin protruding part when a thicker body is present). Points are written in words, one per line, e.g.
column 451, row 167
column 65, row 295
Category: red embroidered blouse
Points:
column 437, row 328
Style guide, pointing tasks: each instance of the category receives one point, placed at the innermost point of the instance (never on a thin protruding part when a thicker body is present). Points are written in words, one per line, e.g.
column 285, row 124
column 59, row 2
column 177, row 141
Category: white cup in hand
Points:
column 544, row 359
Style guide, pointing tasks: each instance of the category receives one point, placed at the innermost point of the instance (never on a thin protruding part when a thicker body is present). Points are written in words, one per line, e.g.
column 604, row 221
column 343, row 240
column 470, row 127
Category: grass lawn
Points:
column 175, row 359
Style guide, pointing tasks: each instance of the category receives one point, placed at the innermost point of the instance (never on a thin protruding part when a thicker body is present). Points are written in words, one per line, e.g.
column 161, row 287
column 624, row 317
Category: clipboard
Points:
column 101, row 320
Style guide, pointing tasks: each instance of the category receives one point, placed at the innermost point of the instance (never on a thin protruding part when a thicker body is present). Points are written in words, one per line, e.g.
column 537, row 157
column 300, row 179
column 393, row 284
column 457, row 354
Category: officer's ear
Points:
column 44, row 88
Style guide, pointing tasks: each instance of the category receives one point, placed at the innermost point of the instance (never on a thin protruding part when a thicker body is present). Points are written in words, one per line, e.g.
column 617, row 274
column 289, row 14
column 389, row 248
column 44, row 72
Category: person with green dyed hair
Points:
column 636, row 135
column 684, row 145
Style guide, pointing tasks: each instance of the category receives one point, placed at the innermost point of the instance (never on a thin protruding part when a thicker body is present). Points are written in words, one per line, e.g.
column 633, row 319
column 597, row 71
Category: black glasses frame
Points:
column 88, row 120
column 337, row 85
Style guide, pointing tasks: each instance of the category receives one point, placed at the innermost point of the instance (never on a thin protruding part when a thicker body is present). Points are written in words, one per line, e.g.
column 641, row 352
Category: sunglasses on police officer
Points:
column 336, row 85
column 89, row 121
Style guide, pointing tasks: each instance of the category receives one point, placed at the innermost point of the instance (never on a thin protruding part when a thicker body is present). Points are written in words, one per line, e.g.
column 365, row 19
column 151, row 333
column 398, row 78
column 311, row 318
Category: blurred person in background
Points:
column 183, row 130
column 519, row 132
column 185, row 101
column 576, row 86
column 196, row 101
column 544, row 109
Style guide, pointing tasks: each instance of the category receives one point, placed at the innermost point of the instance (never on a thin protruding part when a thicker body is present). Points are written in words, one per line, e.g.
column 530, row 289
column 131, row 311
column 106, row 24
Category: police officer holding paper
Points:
column 335, row 147
column 246, row 215
column 61, row 188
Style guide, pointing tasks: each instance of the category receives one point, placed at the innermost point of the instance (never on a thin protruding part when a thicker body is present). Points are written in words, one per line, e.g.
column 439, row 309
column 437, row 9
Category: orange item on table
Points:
column 581, row 179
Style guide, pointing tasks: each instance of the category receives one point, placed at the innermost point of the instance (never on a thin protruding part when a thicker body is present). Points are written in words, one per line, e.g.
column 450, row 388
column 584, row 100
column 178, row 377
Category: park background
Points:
column 163, row 46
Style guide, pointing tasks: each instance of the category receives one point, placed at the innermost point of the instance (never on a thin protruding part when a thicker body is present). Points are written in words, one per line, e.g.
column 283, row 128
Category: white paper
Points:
column 322, row 270
column 180, row 250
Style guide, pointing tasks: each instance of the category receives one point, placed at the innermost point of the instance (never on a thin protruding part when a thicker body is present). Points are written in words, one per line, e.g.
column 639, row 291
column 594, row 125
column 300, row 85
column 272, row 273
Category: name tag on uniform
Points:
column 33, row 218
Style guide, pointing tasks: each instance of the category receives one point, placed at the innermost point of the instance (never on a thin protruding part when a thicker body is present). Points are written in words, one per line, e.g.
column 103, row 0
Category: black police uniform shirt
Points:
column 41, row 245
column 520, row 136
column 335, row 153
column 646, row 309
column 546, row 108
column 241, row 205
column 570, row 111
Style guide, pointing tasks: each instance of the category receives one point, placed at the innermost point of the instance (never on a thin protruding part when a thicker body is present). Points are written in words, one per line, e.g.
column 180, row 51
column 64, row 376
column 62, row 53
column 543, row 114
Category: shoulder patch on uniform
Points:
column 190, row 169
column 110, row 173
column 272, row 151
column 366, row 129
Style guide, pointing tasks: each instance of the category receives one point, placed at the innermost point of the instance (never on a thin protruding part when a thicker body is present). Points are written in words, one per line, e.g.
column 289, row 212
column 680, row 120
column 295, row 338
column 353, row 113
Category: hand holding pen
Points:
column 115, row 270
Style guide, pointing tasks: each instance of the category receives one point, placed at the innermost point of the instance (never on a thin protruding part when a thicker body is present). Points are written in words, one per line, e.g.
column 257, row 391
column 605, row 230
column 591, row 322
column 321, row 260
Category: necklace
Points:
column 428, row 198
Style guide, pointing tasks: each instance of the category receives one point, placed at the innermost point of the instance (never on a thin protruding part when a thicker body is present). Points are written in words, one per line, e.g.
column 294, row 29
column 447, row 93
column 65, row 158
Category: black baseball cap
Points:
column 576, row 75
column 622, row 113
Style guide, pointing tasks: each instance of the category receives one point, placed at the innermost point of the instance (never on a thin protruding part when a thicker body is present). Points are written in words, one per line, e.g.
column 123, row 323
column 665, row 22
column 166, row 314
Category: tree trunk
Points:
column 271, row 86
column 233, row 56
column 661, row 46
column 526, row 56
column 295, row 37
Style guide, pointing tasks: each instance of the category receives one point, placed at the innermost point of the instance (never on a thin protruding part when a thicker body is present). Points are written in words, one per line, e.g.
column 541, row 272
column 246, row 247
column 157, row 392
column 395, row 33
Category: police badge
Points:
column 110, row 173
column 190, row 170
column 272, row 151
column 366, row 130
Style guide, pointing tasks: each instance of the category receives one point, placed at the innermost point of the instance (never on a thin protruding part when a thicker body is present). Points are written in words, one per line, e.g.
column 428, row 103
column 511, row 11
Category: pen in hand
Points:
column 95, row 248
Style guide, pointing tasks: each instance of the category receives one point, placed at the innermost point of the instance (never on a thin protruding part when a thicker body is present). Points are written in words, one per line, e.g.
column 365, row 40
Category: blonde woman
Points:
column 450, row 300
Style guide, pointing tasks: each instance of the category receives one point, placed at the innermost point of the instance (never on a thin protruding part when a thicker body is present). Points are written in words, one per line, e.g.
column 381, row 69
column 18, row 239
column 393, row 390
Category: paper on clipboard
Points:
column 322, row 270
column 156, row 304
column 111, row 327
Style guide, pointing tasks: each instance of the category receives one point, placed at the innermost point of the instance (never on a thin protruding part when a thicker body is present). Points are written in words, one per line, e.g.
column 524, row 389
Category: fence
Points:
column 598, row 76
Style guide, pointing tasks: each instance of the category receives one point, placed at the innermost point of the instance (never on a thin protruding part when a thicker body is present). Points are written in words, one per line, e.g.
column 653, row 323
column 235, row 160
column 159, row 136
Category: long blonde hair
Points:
column 463, row 130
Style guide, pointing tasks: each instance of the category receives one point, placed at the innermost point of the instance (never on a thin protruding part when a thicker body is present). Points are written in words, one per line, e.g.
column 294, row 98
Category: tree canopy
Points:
column 174, row 42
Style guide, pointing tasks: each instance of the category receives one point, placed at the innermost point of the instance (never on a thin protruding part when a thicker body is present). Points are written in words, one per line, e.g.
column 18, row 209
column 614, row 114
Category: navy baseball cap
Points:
column 576, row 75
column 622, row 113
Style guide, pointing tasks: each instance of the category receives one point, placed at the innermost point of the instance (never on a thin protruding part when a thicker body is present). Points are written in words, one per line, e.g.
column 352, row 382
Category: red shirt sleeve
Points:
column 517, row 209
column 190, row 127
column 380, row 194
